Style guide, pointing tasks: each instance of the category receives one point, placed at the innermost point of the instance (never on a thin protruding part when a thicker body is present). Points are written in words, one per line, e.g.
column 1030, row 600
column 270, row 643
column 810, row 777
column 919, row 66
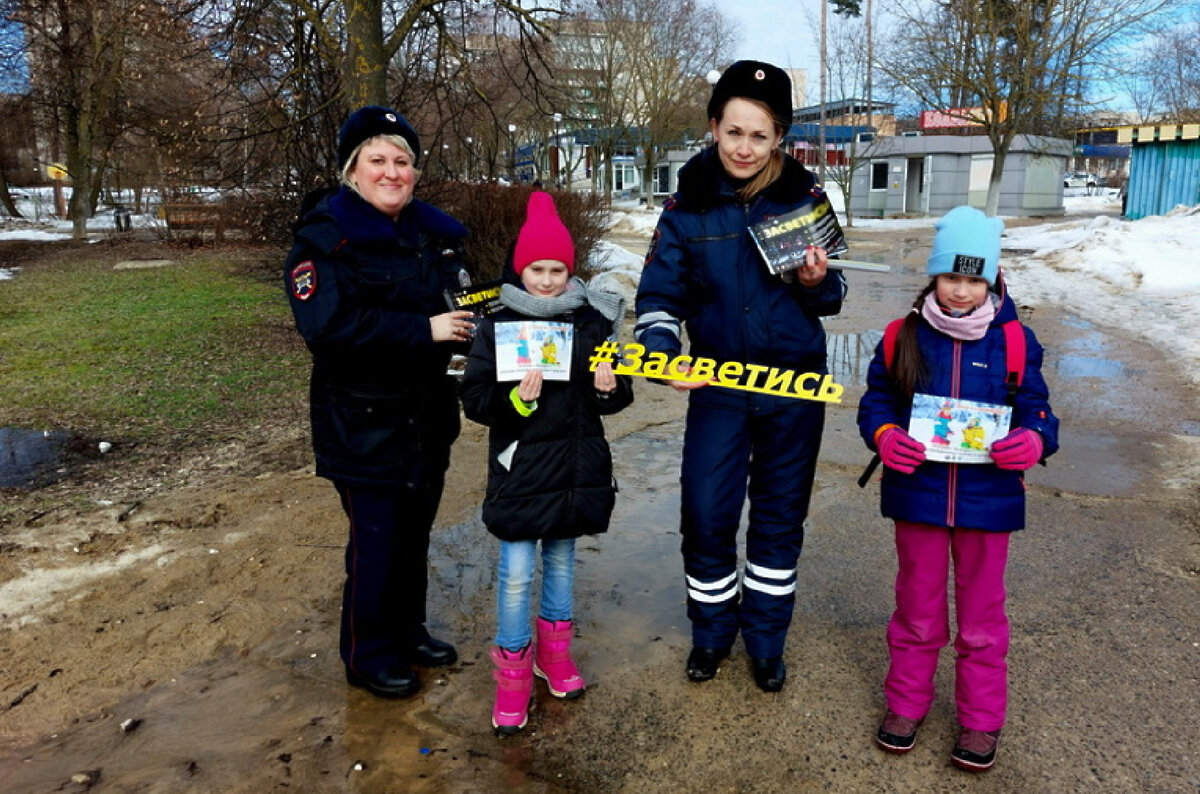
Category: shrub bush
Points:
column 494, row 214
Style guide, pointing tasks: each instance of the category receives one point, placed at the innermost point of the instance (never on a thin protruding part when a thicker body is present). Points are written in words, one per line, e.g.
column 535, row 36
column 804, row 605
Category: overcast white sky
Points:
column 780, row 32
column 786, row 33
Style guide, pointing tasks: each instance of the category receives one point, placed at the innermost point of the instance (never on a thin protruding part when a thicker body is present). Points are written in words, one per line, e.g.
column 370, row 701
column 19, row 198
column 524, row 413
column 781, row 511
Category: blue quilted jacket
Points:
column 976, row 496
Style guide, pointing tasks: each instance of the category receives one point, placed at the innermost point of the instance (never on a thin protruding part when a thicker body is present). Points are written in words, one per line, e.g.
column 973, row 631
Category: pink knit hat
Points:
column 543, row 236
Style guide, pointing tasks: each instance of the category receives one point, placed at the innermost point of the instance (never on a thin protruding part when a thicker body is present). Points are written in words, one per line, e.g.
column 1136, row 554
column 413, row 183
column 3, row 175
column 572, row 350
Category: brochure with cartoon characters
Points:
column 955, row 430
column 533, row 344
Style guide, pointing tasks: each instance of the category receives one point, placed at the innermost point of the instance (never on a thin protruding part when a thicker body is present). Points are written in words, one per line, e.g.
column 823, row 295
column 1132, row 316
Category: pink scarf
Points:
column 968, row 327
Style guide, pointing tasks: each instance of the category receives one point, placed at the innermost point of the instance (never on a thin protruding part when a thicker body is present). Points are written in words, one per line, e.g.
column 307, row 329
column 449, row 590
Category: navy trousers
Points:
column 768, row 451
column 383, row 600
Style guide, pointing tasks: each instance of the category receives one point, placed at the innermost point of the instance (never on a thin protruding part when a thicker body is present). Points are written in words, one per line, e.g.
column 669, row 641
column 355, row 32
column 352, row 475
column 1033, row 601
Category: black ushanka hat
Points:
column 754, row 80
column 367, row 122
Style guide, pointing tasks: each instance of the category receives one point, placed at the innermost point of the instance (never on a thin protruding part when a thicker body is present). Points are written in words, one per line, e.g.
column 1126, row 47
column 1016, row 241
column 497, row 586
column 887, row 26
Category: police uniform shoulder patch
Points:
column 653, row 248
column 817, row 191
column 304, row 280
column 669, row 203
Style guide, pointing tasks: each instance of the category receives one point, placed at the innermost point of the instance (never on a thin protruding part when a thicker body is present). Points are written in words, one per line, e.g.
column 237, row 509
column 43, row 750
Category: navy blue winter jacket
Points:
column 976, row 496
column 362, row 289
column 704, row 271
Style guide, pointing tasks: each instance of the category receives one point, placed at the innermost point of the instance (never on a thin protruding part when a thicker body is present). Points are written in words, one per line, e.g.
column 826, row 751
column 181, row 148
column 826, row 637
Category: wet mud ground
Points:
column 194, row 649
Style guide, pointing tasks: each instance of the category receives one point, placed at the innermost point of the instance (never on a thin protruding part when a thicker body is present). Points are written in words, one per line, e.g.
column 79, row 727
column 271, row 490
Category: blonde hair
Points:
column 352, row 160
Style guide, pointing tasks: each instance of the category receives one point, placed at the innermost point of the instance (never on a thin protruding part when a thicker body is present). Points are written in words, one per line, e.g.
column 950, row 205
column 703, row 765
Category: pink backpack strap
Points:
column 1014, row 357
column 889, row 341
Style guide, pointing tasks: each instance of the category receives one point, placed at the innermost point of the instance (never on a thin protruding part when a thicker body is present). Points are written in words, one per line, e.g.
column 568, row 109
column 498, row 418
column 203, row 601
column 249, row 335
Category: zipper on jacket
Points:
column 742, row 300
column 952, row 468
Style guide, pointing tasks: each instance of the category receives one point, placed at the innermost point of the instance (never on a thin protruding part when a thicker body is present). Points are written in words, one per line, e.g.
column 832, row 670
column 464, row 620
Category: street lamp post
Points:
column 512, row 154
column 556, row 171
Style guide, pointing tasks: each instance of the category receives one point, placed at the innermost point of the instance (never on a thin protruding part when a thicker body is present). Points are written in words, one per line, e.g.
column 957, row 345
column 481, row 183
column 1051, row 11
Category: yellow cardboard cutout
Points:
column 632, row 359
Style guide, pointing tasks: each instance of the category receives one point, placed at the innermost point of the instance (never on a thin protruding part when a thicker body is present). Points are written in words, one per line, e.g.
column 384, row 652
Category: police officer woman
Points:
column 703, row 270
column 366, row 278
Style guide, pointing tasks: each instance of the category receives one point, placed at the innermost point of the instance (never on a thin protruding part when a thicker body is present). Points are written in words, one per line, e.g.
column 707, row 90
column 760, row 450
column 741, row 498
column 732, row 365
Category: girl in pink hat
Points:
column 549, row 466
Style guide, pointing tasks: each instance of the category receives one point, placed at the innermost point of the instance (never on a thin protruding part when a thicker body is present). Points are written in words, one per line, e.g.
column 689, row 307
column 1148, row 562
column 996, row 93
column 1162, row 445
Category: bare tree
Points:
column 1020, row 62
column 591, row 60
column 368, row 34
column 77, row 51
column 849, row 73
column 684, row 40
column 635, row 73
column 1171, row 91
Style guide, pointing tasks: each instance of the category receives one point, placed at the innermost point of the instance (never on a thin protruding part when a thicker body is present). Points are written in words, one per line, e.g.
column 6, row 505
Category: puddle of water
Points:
column 850, row 356
column 1088, row 367
column 31, row 458
column 628, row 581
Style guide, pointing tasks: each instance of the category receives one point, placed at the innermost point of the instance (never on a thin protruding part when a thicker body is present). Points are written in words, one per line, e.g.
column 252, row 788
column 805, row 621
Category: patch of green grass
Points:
column 189, row 350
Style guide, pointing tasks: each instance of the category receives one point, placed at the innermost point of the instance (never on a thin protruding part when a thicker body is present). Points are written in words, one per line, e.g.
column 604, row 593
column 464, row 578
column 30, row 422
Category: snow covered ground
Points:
column 1143, row 275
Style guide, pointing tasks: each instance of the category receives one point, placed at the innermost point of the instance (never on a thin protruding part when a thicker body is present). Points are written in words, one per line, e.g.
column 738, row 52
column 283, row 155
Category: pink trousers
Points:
column 920, row 626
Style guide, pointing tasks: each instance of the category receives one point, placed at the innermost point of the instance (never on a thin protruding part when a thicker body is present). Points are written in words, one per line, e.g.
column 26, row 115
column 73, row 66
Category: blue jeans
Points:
column 515, row 583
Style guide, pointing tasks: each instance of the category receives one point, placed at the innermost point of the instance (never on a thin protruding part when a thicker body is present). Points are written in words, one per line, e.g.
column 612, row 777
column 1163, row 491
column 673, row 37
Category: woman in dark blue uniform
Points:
column 366, row 278
column 704, row 271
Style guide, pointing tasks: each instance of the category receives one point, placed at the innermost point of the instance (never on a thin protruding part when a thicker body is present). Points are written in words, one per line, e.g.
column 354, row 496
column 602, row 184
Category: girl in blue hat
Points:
column 958, row 343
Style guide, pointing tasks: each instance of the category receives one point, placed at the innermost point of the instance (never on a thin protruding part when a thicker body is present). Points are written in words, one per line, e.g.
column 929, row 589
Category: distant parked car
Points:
column 1082, row 179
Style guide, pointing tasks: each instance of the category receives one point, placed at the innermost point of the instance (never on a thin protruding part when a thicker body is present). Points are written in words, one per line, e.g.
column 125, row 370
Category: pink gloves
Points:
column 1017, row 451
column 900, row 451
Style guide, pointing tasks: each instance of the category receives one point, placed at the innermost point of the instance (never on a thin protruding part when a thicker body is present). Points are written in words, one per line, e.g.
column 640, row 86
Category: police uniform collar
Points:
column 361, row 222
column 702, row 182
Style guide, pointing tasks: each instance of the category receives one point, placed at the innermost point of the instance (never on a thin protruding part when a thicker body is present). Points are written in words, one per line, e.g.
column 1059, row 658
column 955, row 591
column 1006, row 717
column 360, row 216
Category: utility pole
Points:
column 870, row 66
column 821, row 131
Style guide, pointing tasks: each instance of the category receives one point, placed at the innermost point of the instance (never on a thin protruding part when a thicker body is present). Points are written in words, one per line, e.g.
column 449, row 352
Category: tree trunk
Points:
column 999, row 156
column 365, row 73
column 648, row 178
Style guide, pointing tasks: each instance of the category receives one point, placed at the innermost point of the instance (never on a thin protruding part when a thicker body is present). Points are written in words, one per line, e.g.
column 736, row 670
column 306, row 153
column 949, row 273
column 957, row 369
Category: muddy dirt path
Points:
column 192, row 646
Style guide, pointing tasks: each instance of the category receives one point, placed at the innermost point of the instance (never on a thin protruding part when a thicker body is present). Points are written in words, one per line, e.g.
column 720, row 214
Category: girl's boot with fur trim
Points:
column 552, row 660
column 514, row 684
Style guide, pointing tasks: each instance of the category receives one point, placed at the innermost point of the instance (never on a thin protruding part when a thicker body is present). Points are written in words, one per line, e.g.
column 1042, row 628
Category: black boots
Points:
column 769, row 674
column 398, row 681
column 432, row 653
column 703, row 663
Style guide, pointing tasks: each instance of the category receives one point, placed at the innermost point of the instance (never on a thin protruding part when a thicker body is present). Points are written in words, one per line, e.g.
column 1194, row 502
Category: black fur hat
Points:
column 754, row 80
column 367, row 122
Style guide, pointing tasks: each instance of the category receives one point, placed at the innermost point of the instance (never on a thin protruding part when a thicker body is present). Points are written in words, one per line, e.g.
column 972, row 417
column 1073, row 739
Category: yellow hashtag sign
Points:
column 632, row 359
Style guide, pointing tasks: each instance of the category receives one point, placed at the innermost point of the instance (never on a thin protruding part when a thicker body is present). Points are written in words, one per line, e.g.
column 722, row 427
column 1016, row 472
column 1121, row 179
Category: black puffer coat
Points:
column 560, row 483
column 362, row 289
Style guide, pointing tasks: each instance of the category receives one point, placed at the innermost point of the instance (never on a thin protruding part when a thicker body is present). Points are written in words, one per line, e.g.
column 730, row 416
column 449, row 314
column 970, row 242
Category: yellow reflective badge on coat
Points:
column 304, row 280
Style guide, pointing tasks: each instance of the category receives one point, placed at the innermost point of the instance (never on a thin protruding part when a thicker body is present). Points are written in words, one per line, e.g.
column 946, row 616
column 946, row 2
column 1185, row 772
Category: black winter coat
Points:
column 560, row 483
column 362, row 289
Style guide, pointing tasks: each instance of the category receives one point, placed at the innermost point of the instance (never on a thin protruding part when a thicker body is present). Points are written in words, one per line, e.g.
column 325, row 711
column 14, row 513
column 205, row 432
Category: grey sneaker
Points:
column 897, row 734
column 975, row 751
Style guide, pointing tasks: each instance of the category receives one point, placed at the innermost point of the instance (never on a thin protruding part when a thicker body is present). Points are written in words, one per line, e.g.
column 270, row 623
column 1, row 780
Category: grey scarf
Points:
column 609, row 304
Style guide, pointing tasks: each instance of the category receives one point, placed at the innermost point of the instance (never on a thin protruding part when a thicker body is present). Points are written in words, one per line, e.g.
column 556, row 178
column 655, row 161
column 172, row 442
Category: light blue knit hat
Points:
column 967, row 242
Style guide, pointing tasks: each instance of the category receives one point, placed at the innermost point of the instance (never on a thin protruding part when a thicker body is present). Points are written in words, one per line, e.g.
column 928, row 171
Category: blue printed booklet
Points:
column 955, row 430
column 533, row 344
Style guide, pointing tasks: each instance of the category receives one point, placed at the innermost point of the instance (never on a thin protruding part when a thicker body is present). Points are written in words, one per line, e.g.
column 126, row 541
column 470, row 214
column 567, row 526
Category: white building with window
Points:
column 930, row 174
